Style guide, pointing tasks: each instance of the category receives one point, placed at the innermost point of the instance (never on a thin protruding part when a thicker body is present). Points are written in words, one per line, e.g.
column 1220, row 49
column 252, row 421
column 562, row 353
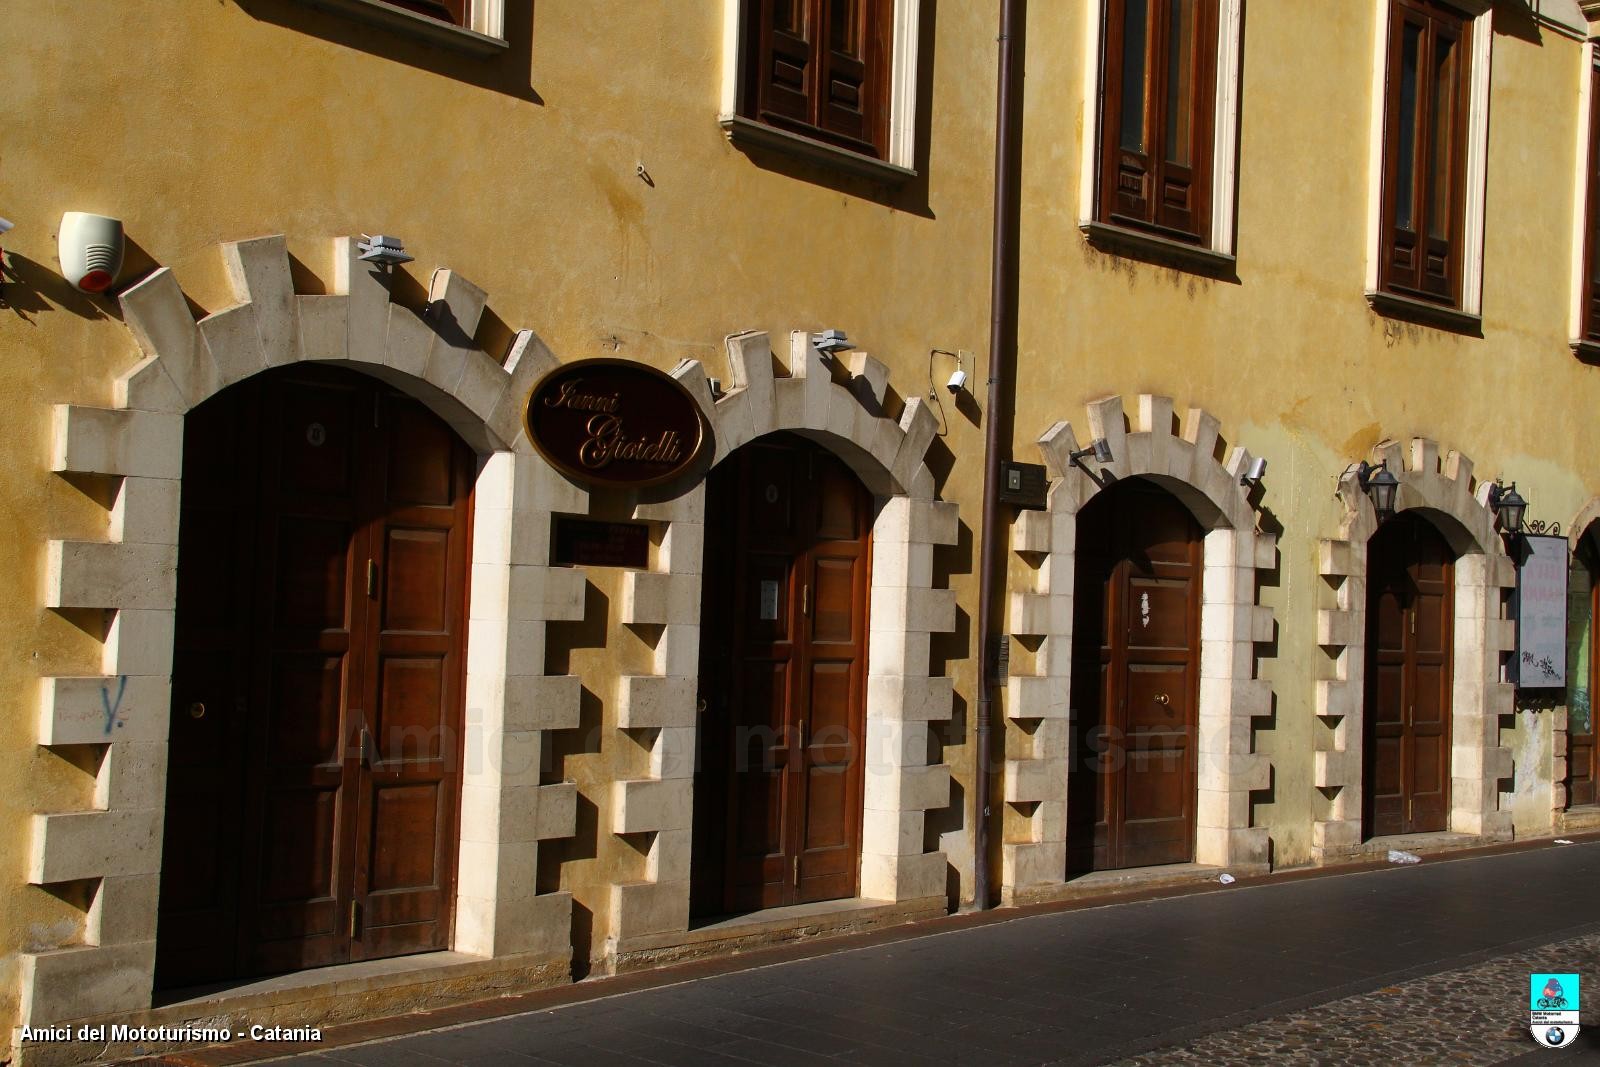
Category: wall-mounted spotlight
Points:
column 91, row 250
column 1254, row 473
column 1380, row 486
column 383, row 249
column 6, row 226
column 831, row 342
column 1508, row 506
column 1100, row 449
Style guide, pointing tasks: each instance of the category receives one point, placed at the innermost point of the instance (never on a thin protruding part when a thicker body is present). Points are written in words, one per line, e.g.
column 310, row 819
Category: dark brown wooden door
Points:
column 783, row 680
column 1136, row 667
column 1581, row 748
column 317, row 683
column 1410, row 613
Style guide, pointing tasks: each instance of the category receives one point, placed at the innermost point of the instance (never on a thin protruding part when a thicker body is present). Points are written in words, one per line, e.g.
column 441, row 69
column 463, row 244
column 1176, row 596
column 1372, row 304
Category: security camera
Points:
column 957, row 382
column 91, row 250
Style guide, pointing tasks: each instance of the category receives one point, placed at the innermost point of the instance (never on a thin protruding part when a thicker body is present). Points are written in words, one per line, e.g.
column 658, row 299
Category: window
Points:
column 820, row 68
column 833, row 81
column 473, row 26
column 1588, row 324
column 1159, row 102
column 1426, row 107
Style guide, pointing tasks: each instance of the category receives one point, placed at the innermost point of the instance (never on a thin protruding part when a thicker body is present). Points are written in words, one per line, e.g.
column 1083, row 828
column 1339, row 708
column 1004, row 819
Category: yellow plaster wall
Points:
column 202, row 121
column 1290, row 357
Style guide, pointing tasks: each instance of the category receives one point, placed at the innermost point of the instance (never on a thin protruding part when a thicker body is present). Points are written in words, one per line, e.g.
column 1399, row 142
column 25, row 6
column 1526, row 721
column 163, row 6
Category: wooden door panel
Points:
column 786, row 740
column 340, row 457
column 1131, row 794
column 1158, row 614
column 1406, row 761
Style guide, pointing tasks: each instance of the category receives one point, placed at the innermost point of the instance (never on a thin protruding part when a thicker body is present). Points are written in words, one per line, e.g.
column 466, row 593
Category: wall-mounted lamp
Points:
column 383, row 249
column 1380, row 486
column 6, row 226
column 831, row 342
column 1508, row 506
column 1254, row 473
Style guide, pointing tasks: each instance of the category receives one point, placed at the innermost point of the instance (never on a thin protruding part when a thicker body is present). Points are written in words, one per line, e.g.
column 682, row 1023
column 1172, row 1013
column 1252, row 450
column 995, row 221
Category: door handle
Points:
column 1162, row 699
column 197, row 710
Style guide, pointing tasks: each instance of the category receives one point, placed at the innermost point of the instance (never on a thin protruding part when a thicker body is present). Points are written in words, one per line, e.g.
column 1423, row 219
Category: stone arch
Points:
column 1444, row 491
column 842, row 406
column 1585, row 526
column 1039, row 742
column 131, row 575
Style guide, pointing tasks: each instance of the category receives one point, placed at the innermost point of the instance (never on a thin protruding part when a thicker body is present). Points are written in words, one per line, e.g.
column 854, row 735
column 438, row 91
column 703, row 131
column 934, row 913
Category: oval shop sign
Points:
column 614, row 422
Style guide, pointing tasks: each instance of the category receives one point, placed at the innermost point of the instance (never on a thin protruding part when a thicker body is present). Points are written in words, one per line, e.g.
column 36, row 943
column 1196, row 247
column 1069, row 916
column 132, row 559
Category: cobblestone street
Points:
column 1417, row 965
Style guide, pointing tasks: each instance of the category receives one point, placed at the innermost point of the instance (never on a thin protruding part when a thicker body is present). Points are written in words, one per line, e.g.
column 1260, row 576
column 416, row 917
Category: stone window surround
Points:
column 1444, row 490
column 844, row 411
column 1231, row 625
column 515, row 596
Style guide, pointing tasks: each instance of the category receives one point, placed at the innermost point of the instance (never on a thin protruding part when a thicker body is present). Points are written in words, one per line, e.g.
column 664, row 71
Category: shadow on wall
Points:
column 509, row 72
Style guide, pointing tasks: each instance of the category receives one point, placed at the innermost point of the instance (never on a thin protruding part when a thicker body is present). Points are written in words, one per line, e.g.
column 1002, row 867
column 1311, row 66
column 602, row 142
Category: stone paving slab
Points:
column 1155, row 980
column 1475, row 1015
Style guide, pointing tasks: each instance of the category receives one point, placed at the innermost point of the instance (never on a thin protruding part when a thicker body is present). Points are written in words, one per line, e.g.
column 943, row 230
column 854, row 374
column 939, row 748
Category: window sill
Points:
column 1136, row 244
column 398, row 19
column 1588, row 351
column 1423, row 313
column 747, row 133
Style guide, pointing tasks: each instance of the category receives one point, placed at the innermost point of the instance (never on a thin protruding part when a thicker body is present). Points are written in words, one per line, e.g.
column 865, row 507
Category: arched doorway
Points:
column 1135, row 680
column 313, row 778
column 778, row 789
column 1410, row 638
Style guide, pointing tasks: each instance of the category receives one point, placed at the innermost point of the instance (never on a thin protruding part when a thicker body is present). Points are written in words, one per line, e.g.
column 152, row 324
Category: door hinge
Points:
column 805, row 600
column 366, row 748
column 355, row 919
column 796, row 869
column 372, row 578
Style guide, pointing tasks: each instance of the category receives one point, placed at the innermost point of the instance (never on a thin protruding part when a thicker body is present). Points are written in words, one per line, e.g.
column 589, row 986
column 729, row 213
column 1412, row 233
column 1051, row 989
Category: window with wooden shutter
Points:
column 1158, row 113
column 1425, row 139
column 1590, row 293
column 820, row 68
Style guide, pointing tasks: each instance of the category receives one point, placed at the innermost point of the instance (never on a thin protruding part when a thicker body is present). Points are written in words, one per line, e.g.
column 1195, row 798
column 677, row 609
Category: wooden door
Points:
column 1581, row 748
column 783, row 680
column 317, row 687
column 1410, row 614
column 1136, row 660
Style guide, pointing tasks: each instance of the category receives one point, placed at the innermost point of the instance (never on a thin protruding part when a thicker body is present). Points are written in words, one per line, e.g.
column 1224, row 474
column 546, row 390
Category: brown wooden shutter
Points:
column 853, row 47
column 1425, row 150
column 1127, row 174
column 781, row 75
column 451, row 11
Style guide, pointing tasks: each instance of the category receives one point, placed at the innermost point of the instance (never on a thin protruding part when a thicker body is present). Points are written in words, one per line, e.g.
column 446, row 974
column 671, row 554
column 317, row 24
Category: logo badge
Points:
column 1553, row 1009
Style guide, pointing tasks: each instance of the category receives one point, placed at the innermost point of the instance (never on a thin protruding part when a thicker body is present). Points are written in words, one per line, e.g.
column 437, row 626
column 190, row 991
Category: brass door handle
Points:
column 1162, row 699
column 197, row 710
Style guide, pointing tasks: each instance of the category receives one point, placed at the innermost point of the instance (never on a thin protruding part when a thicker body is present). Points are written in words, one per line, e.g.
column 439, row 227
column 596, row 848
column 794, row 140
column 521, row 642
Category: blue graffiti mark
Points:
column 113, row 708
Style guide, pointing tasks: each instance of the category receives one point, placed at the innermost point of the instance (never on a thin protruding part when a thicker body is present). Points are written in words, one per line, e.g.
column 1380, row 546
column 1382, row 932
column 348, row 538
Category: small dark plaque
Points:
column 1024, row 485
column 588, row 543
column 614, row 422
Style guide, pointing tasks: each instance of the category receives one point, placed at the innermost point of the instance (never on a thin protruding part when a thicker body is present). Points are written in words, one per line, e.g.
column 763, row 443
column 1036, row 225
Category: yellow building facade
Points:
column 342, row 684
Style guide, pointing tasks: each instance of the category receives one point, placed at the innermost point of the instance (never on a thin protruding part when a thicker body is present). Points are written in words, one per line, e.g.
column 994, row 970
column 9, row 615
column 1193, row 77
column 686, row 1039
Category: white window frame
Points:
column 1581, row 222
column 901, row 151
column 1225, row 149
column 1472, row 229
column 484, row 34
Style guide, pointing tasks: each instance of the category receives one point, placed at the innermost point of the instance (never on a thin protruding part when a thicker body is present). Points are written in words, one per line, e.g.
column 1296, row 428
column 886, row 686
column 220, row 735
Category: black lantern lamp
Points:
column 1380, row 486
column 1508, row 506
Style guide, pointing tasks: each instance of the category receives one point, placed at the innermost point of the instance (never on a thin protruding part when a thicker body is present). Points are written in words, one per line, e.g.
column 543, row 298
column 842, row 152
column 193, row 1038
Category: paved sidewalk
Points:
column 1378, row 952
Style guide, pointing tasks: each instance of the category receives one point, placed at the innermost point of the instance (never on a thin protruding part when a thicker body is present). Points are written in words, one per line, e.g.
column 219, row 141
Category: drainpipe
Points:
column 1002, row 401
